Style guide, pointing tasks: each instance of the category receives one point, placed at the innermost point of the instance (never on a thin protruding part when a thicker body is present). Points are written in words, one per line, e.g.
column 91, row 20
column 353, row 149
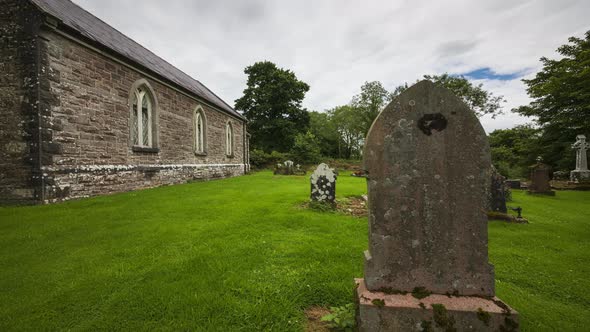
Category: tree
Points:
column 515, row 149
column 482, row 102
column 348, row 121
column 372, row 99
column 561, row 100
column 322, row 126
column 272, row 105
column 305, row 149
column 561, row 90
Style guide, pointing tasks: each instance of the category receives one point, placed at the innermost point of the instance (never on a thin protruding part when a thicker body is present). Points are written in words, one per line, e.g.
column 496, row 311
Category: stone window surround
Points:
column 154, row 148
column 200, row 112
column 229, row 139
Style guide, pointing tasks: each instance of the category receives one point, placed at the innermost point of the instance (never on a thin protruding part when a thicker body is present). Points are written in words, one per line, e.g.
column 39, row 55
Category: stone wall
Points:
column 19, row 138
column 84, row 123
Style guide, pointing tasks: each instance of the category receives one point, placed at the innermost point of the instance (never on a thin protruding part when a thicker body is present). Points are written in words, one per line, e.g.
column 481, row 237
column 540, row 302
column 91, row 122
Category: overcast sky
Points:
column 336, row 45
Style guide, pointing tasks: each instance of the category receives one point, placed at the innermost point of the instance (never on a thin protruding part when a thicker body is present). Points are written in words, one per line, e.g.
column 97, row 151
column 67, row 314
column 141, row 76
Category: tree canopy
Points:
column 372, row 99
column 561, row 90
column 272, row 104
column 481, row 101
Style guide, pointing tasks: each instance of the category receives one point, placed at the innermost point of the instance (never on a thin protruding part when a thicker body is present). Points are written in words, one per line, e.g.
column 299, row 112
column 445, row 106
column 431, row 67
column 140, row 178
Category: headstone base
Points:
column 379, row 311
column 580, row 176
column 548, row 193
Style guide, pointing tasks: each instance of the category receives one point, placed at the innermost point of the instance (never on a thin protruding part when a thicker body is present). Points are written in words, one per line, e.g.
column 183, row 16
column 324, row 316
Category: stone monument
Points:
column 540, row 179
column 323, row 184
column 428, row 168
column 498, row 191
column 581, row 173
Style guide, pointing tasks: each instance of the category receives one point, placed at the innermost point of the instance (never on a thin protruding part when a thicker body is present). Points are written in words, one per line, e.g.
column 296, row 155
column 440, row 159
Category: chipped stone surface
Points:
column 378, row 311
column 323, row 184
column 428, row 165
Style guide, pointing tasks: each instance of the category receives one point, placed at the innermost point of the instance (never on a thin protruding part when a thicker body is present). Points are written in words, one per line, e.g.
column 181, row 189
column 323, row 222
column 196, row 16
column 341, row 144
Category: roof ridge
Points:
column 133, row 51
column 203, row 85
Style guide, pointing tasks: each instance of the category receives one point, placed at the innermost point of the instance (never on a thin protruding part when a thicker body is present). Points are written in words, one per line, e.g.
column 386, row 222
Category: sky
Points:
column 337, row 45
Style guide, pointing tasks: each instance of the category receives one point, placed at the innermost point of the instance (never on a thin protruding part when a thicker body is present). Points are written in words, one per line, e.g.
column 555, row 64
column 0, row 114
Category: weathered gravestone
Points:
column 285, row 168
column 540, row 179
column 428, row 166
column 581, row 173
column 323, row 184
column 498, row 191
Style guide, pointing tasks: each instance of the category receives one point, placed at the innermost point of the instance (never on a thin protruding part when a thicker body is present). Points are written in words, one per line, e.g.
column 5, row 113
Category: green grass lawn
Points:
column 241, row 254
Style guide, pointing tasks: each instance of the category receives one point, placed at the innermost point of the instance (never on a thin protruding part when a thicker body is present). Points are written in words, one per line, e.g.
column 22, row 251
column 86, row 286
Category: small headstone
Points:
column 513, row 183
column 540, row 179
column 498, row 191
column 287, row 168
column 581, row 173
column 428, row 167
column 323, row 184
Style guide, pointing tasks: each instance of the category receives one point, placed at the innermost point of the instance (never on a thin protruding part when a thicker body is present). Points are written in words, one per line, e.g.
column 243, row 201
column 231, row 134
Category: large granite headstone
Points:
column 581, row 173
column 428, row 166
column 323, row 184
column 540, row 179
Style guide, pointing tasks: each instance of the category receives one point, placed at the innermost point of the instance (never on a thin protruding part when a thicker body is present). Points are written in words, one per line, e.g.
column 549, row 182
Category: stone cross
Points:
column 323, row 184
column 581, row 173
column 428, row 167
column 581, row 160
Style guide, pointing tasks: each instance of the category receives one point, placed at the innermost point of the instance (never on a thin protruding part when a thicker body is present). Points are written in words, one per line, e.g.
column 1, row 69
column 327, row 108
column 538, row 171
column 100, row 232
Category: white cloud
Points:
column 337, row 45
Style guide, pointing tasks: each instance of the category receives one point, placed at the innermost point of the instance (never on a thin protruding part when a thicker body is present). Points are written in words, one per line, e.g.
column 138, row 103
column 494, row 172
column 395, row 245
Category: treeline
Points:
column 560, row 110
column 282, row 129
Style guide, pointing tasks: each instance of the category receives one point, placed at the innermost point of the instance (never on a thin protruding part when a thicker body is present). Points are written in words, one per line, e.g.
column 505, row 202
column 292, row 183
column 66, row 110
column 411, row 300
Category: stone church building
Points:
column 87, row 111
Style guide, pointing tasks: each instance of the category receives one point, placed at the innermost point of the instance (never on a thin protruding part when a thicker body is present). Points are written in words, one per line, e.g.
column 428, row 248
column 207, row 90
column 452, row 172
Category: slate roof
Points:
column 91, row 27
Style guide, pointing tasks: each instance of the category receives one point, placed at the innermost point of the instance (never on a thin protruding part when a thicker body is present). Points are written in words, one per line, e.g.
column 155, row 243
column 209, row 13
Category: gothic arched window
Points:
column 143, row 118
column 200, row 124
column 229, row 139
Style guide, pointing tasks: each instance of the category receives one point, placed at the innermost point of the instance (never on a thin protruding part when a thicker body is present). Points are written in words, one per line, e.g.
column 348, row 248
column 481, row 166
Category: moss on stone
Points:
column 420, row 293
column 510, row 325
column 378, row 303
column 426, row 326
column 484, row 316
column 393, row 291
column 442, row 318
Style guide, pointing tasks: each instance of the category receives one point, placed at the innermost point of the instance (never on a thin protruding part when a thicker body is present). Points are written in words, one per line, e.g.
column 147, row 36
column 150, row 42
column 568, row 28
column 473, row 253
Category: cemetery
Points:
column 133, row 197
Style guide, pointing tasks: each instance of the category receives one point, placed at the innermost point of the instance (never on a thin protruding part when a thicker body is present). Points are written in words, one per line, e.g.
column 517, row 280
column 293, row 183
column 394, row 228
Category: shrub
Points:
column 306, row 149
column 260, row 159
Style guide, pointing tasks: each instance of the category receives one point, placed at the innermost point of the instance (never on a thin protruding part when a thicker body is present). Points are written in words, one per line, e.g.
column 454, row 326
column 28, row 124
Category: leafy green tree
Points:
column 372, row 99
column 561, row 90
column 305, row 149
column 482, row 102
column 348, row 121
column 515, row 149
column 272, row 105
column 324, row 129
column 561, row 101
